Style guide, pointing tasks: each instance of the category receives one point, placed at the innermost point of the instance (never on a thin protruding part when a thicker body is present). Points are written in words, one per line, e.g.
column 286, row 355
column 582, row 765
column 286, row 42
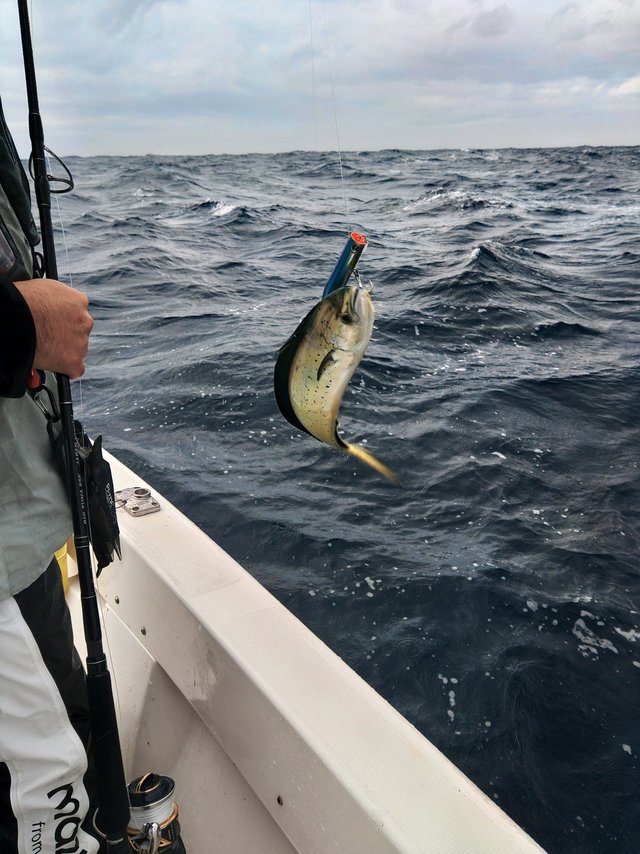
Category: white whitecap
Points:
column 222, row 209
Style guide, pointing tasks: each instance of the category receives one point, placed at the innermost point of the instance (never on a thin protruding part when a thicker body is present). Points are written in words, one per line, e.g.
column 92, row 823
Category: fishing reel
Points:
column 154, row 816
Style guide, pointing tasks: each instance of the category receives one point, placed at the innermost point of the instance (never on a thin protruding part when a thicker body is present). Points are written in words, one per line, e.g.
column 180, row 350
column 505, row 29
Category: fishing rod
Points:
column 113, row 803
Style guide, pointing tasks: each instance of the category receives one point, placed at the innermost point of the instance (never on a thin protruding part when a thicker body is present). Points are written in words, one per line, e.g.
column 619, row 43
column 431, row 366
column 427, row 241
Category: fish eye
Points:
column 345, row 318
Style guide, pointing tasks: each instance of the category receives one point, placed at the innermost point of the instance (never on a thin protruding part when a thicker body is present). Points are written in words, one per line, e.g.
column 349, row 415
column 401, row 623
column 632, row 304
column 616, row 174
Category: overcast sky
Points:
column 214, row 76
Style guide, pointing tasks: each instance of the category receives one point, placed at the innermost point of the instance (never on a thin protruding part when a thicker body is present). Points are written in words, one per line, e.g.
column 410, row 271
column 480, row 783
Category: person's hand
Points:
column 63, row 325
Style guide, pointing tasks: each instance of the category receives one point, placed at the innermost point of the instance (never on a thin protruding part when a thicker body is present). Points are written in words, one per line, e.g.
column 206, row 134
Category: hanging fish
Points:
column 315, row 365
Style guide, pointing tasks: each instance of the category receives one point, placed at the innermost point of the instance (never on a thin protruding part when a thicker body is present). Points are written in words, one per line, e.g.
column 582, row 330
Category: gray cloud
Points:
column 114, row 16
column 129, row 76
column 494, row 22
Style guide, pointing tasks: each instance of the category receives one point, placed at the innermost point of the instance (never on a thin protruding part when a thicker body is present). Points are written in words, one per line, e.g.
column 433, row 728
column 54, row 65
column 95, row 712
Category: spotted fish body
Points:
column 315, row 365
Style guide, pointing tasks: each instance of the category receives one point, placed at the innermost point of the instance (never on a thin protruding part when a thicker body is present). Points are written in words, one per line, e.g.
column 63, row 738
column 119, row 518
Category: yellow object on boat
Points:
column 61, row 557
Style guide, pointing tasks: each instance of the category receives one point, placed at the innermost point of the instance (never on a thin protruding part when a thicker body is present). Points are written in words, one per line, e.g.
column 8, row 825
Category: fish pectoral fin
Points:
column 328, row 360
column 360, row 454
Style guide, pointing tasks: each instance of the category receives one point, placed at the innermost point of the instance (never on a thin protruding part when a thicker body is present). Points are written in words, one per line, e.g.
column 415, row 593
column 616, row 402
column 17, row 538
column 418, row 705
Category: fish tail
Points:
column 360, row 454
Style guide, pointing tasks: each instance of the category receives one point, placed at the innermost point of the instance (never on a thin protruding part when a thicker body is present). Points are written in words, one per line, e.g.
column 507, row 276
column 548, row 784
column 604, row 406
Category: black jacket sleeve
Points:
column 17, row 341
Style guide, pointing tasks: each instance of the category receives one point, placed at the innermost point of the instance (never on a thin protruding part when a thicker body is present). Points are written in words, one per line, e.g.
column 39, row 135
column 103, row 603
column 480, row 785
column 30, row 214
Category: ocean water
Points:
column 493, row 596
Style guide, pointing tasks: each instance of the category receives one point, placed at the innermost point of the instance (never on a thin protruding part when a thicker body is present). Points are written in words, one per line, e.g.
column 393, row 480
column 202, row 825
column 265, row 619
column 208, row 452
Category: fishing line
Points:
column 313, row 80
column 101, row 603
column 334, row 109
column 335, row 119
column 68, row 276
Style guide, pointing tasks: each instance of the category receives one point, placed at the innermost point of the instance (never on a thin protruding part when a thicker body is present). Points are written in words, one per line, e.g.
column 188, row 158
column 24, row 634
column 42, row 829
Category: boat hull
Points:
column 275, row 744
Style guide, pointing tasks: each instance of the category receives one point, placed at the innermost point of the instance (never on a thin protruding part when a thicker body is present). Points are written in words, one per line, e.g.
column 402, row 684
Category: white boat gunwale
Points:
column 332, row 763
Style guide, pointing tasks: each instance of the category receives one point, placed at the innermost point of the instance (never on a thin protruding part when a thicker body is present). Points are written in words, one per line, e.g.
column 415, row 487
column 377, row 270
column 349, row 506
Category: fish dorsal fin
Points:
column 282, row 371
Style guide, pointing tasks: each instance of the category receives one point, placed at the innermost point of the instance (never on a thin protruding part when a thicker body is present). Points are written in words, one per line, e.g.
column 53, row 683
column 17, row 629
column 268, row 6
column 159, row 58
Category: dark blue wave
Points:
column 493, row 596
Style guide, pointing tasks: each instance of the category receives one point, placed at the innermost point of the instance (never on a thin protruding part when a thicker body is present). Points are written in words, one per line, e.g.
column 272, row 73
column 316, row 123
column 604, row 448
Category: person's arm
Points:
column 43, row 324
column 17, row 341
